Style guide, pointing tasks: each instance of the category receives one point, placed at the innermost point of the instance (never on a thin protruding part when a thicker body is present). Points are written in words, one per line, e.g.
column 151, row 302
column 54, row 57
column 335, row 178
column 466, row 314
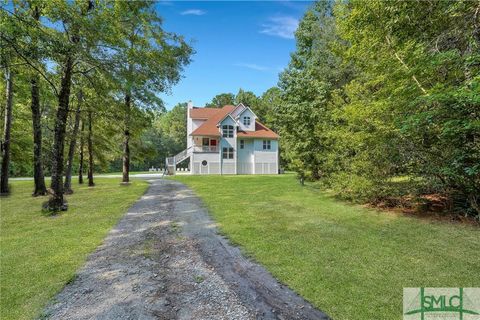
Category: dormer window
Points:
column 246, row 121
column 227, row 131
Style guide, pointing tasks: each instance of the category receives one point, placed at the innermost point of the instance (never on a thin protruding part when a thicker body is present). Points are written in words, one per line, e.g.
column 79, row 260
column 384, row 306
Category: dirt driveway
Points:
column 165, row 260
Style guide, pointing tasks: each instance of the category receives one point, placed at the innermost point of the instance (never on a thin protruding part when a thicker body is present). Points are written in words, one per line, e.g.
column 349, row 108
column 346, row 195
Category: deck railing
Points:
column 205, row 149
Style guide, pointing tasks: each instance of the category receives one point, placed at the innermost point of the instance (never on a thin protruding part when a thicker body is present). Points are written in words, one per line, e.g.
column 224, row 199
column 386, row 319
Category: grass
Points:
column 349, row 261
column 40, row 253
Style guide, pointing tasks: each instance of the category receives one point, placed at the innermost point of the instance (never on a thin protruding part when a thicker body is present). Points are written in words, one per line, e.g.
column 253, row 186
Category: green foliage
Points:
column 270, row 101
column 118, row 49
column 379, row 89
column 314, row 72
column 248, row 98
column 165, row 137
column 221, row 100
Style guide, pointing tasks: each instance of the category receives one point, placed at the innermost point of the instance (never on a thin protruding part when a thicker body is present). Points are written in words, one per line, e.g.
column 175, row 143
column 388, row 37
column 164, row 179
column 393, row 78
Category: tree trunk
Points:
column 71, row 151
column 56, row 202
column 38, row 176
column 6, row 133
column 126, row 140
column 80, row 164
column 90, row 151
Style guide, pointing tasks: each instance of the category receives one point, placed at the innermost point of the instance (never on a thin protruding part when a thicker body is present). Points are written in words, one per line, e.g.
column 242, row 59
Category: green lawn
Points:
column 39, row 254
column 349, row 261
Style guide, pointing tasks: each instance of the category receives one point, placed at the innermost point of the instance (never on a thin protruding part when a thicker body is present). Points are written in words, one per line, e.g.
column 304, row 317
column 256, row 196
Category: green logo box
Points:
column 441, row 303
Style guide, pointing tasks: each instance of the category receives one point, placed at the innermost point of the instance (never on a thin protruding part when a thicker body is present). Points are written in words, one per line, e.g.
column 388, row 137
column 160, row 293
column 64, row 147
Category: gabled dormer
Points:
column 227, row 126
column 246, row 119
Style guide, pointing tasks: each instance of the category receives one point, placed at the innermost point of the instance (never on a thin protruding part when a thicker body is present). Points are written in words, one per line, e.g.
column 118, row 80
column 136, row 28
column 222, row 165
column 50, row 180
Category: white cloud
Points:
column 283, row 27
column 193, row 12
column 252, row 66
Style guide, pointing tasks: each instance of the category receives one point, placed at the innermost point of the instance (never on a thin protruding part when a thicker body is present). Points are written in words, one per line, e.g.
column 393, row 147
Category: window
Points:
column 227, row 153
column 227, row 131
column 246, row 121
column 242, row 144
column 267, row 145
column 204, row 163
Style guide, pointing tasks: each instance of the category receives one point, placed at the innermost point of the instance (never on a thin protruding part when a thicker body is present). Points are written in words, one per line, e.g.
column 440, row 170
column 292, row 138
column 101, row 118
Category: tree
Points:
column 221, row 100
column 90, row 149
column 73, row 140
column 166, row 137
column 150, row 61
column 248, row 98
column 38, row 176
column 416, row 104
column 270, row 101
column 82, row 147
column 173, row 124
column 9, row 75
column 314, row 72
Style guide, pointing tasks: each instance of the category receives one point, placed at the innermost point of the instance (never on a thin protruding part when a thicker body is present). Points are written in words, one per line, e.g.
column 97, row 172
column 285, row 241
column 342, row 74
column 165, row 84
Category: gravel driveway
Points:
column 165, row 260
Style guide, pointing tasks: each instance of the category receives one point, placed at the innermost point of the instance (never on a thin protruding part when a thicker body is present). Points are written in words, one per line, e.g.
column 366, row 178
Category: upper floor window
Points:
column 267, row 145
column 242, row 144
column 227, row 131
column 246, row 121
column 227, row 153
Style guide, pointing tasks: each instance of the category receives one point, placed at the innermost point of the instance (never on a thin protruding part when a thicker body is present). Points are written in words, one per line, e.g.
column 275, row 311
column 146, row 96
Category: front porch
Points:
column 202, row 144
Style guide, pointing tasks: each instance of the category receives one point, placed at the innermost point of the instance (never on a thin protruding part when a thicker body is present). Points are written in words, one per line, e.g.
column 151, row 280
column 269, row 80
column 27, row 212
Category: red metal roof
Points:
column 261, row 131
column 203, row 113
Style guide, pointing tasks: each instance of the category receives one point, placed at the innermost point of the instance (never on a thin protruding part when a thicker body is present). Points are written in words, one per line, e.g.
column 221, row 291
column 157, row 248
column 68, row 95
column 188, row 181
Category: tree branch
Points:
column 397, row 56
column 29, row 63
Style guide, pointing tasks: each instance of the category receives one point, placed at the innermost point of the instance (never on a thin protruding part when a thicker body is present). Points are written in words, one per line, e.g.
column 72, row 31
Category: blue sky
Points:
column 239, row 44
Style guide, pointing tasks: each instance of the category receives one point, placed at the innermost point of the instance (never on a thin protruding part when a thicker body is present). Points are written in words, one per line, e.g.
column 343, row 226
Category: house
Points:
column 228, row 140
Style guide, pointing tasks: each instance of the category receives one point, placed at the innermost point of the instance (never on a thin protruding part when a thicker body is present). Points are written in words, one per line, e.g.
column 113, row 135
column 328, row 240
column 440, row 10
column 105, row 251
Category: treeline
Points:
column 81, row 83
column 381, row 101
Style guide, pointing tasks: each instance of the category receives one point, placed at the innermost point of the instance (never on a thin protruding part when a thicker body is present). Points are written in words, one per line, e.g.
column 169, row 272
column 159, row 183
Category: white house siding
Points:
column 266, row 161
column 228, row 165
column 213, row 163
column 245, row 157
column 247, row 113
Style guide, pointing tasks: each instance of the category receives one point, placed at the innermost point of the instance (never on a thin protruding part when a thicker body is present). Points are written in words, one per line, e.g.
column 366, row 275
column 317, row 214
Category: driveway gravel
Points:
column 165, row 260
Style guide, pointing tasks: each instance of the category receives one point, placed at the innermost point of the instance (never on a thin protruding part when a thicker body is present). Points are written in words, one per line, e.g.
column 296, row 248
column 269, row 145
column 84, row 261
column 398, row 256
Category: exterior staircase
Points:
column 171, row 162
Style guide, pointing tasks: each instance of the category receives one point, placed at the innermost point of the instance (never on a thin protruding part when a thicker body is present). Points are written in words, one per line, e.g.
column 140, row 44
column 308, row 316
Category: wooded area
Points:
column 83, row 70
column 380, row 101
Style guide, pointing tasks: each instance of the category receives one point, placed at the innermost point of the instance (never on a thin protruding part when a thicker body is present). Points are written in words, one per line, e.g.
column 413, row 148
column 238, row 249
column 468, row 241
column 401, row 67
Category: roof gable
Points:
column 209, row 127
column 238, row 109
column 246, row 108
column 228, row 115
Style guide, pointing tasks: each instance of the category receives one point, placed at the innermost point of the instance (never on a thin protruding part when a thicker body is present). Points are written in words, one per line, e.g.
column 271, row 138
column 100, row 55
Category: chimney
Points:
column 189, row 124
